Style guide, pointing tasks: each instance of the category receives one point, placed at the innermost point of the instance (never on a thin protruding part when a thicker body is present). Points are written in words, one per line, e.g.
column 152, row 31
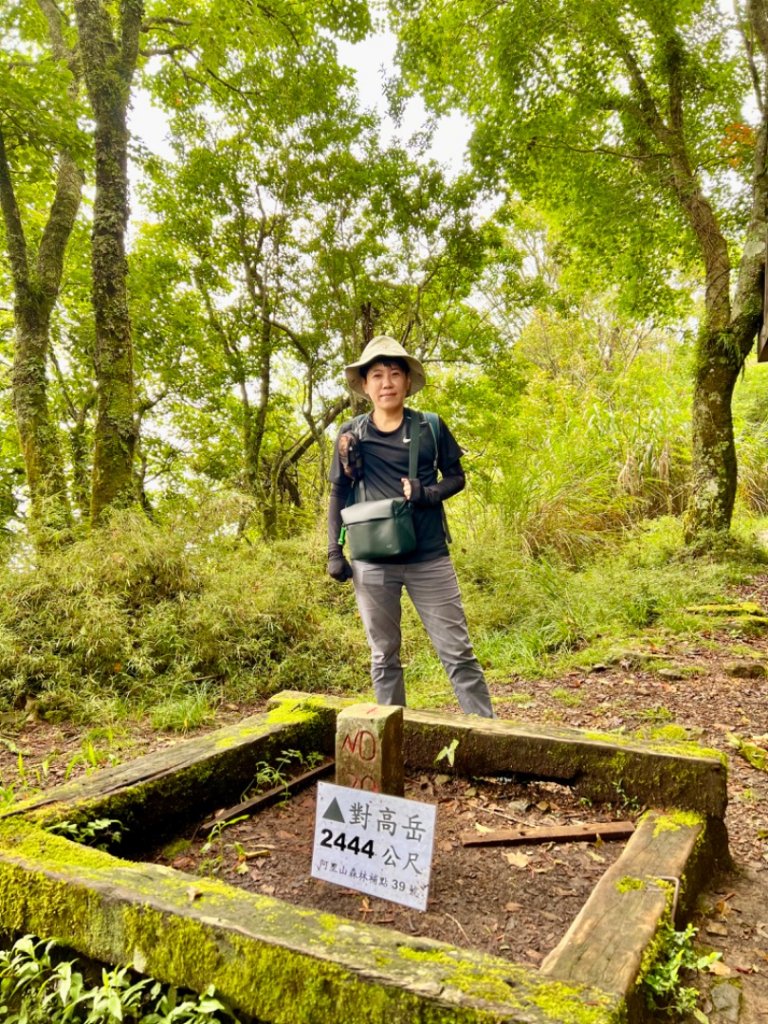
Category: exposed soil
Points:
column 514, row 902
column 715, row 686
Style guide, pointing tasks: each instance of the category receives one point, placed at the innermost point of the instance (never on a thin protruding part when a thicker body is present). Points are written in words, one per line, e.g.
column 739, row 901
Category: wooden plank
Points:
column 270, row 796
column 606, row 942
column 597, row 765
column 160, row 793
column 551, row 834
column 269, row 960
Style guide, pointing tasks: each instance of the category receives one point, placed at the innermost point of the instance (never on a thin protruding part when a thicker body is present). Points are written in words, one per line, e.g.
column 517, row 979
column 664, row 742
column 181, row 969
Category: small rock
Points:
column 673, row 674
column 726, row 999
column 745, row 669
column 720, row 970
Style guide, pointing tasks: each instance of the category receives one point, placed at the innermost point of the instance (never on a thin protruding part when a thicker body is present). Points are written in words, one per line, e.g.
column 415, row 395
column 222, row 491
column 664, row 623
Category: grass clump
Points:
column 39, row 986
column 541, row 616
column 168, row 619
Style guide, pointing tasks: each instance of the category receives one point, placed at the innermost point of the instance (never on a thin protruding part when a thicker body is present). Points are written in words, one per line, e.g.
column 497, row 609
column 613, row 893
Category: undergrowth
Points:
column 664, row 984
column 39, row 986
column 541, row 616
column 171, row 619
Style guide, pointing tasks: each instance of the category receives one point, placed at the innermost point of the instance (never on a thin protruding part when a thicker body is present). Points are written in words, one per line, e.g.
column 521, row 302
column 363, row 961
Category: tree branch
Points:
column 55, row 19
column 154, row 22
column 749, row 49
column 300, row 447
column 674, row 61
column 684, row 182
column 292, row 335
column 14, row 229
column 131, row 17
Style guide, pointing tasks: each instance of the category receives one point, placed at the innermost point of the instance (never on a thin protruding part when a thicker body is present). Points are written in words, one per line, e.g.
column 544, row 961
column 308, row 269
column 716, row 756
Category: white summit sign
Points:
column 378, row 844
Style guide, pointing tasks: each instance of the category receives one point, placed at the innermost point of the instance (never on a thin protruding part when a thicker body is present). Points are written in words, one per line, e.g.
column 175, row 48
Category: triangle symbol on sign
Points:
column 334, row 812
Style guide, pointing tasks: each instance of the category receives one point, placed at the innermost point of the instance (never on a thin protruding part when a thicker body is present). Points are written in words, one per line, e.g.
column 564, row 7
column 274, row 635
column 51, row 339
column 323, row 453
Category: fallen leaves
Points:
column 719, row 969
column 753, row 750
column 516, row 859
column 598, row 858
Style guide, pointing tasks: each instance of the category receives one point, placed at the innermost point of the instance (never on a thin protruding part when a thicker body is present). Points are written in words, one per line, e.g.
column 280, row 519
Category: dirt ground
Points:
column 513, row 901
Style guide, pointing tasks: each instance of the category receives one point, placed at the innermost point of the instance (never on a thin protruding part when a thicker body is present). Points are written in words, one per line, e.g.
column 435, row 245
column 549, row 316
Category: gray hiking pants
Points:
column 434, row 590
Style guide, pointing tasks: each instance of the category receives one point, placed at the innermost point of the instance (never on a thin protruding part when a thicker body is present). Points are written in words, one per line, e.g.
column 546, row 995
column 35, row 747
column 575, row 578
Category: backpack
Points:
column 432, row 420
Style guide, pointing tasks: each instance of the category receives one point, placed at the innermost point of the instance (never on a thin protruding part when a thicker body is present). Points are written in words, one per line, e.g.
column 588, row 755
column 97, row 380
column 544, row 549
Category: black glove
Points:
column 351, row 455
column 339, row 568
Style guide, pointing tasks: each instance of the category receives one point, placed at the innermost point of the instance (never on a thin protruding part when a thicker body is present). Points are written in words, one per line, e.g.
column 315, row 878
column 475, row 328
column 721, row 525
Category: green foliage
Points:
column 751, row 424
column 559, row 96
column 101, row 833
column 592, row 436
column 664, row 983
column 216, row 832
column 274, row 774
column 170, row 617
column 37, row 986
column 448, row 752
column 544, row 614
column 191, row 708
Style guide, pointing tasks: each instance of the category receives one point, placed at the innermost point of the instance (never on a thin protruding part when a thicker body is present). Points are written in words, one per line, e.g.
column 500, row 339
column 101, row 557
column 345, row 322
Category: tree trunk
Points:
column 50, row 510
column 108, row 66
column 36, row 288
column 721, row 356
column 714, row 472
column 730, row 326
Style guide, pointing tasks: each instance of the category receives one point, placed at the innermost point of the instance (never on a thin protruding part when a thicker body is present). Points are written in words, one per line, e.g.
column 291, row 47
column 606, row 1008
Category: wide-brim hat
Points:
column 384, row 347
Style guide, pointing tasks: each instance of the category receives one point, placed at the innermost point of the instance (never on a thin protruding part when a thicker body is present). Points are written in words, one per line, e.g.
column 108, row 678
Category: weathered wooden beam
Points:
column 604, row 830
column 269, row 796
column 283, row 963
column 276, row 962
column 156, row 795
column 598, row 766
column 654, row 879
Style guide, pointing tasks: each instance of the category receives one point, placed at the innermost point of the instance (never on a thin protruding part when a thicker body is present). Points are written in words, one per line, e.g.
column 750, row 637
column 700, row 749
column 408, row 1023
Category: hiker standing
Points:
column 373, row 452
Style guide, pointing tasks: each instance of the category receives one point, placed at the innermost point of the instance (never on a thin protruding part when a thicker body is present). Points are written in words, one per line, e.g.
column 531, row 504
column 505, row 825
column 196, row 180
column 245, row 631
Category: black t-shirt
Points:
column 386, row 462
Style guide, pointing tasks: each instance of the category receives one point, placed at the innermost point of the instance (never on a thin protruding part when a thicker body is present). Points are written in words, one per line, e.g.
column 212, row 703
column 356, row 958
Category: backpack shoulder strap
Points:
column 356, row 424
column 433, row 422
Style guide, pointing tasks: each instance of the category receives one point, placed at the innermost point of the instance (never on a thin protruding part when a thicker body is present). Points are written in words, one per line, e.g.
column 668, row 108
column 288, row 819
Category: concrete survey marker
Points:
column 369, row 748
column 291, row 965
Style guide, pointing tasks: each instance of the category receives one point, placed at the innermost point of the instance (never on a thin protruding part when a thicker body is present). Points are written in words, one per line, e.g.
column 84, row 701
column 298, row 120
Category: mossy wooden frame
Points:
column 291, row 965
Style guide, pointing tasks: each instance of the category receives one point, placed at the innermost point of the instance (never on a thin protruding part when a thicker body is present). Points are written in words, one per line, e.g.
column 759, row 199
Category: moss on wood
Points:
column 277, row 962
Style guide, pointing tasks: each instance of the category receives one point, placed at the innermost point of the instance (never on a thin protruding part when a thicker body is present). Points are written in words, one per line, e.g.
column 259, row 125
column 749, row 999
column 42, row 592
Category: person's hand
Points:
column 339, row 568
column 412, row 489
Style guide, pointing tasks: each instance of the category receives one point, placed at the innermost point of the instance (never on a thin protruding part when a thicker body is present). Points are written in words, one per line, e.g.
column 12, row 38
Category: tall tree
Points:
column 109, row 50
column 39, row 141
column 626, row 118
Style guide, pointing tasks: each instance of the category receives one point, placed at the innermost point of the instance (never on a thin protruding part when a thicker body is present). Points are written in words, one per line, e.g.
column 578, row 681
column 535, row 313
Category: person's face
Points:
column 387, row 386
